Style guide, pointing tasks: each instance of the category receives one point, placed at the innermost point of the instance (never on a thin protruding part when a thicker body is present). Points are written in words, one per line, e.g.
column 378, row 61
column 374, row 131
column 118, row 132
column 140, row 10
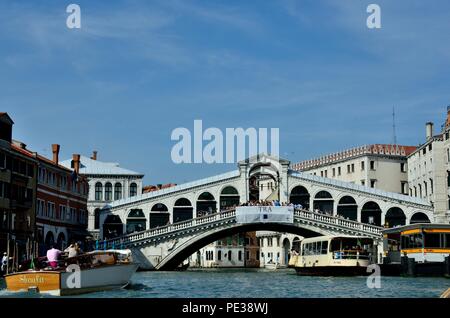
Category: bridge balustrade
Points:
column 230, row 214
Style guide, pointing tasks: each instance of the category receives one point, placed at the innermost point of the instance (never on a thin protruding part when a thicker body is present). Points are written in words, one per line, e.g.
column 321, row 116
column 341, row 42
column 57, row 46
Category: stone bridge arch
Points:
column 182, row 251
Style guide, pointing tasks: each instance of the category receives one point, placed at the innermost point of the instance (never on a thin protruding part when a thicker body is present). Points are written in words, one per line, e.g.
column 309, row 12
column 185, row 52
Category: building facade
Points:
column 61, row 208
column 108, row 182
column 276, row 247
column 17, row 192
column 429, row 167
column 240, row 250
column 376, row 166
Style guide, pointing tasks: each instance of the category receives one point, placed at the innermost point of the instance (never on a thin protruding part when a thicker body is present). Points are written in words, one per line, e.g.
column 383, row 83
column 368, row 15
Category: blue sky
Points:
column 136, row 70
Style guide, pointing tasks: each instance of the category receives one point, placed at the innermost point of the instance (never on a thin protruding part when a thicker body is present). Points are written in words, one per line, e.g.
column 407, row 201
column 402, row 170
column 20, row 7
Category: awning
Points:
column 79, row 234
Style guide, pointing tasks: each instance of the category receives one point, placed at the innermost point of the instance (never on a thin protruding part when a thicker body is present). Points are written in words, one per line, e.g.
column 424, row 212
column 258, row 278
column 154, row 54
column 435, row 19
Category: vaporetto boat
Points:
column 335, row 256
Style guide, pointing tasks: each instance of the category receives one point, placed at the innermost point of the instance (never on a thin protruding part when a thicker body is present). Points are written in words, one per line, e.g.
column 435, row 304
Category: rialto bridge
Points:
column 164, row 226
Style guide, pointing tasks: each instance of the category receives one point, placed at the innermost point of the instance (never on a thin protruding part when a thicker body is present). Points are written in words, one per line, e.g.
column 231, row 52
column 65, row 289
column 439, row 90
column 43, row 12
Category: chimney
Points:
column 76, row 163
column 94, row 155
column 55, row 150
column 429, row 130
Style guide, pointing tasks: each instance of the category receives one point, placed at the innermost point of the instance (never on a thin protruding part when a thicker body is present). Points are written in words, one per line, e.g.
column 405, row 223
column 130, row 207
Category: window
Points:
column 339, row 171
column 219, row 255
column 117, row 191
column 98, row 192
column 2, row 160
column 372, row 165
column 362, row 165
column 403, row 167
column 229, row 255
column 373, row 183
column 97, row 219
column 269, row 241
column 363, row 182
column 353, row 167
column 334, row 172
column 108, row 191
column 348, row 169
column 240, row 255
column 431, row 186
column 326, row 173
column 133, row 189
column 62, row 212
column 430, row 147
column 424, row 151
column 403, row 187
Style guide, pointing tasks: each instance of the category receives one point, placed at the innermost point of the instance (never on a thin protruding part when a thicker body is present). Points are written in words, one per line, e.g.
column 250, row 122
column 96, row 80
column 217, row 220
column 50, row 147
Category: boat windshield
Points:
column 351, row 248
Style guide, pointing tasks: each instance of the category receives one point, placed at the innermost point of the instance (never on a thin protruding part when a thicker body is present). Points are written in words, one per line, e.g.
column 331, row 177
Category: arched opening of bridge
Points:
column 323, row 201
column 206, row 204
column 182, row 252
column 136, row 221
column 182, row 211
column 229, row 197
column 286, row 251
column 112, row 227
column 49, row 240
column 263, row 182
column 61, row 242
column 159, row 215
column 299, row 195
column 371, row 213
column 395, row 217
column 419, row 217
column 347, row 208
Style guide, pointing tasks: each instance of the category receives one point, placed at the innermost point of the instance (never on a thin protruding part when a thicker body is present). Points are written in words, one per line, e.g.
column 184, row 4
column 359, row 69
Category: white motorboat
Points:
column 90, row 272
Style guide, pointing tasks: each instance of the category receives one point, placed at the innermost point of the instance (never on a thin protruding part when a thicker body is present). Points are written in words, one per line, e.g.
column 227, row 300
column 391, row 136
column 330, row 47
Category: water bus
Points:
column 420, row 249
column 335, row 256
column 89, row 272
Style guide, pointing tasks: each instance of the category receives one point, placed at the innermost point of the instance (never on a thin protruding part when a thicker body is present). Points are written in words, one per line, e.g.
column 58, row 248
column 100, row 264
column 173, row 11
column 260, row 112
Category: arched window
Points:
column 206, row 204
column 117, row 191
column 136, row 221
column 229, row 197
column 323, row 201
column 419, row 217
column 159, row 215
column 133, row 189
column 182, row 210
column 395, row 217
column 299, row 195
column 108, row 192
column 98, row 191
column 371, row 213
column 347, row 208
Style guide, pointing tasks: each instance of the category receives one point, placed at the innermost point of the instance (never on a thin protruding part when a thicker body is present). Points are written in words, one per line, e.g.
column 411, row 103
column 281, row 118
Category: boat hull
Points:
column 332, row 271
column 59, row 283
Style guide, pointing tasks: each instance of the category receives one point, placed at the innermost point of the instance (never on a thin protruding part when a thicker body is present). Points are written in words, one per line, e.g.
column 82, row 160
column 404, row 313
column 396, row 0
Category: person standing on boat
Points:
column 53, row 256
column 4, row 262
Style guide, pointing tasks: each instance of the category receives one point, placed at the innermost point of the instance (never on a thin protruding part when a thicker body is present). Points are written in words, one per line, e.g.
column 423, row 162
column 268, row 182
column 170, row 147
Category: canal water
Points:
column 262, row 283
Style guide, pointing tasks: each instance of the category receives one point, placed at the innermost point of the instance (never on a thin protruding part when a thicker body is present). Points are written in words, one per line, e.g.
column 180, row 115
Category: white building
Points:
column 376, row 166
column 429, row 169
column 276, row 247
column 107, row 182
